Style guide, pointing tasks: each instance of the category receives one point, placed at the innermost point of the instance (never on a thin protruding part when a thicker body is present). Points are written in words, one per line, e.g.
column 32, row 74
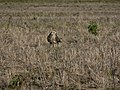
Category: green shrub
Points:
column 16, row 81
column 93, row 28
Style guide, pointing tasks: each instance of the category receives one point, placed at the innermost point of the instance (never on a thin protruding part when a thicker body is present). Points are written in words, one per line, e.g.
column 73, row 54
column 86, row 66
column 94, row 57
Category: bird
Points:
column 53, row 38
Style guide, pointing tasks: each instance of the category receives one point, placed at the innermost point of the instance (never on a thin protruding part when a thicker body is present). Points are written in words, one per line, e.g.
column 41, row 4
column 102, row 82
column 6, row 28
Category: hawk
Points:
column 53, row 38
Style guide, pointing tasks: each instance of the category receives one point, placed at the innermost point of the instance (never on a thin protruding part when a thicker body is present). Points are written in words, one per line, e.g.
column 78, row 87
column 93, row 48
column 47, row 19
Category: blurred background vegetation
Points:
column 58, row 1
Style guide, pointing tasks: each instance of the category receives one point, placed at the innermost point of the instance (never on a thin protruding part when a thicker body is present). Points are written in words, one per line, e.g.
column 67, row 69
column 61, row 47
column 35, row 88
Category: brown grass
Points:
column 82, row 61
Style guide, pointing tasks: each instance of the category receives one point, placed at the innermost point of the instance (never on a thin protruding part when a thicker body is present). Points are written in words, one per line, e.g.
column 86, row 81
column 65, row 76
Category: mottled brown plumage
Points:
column 53, row 38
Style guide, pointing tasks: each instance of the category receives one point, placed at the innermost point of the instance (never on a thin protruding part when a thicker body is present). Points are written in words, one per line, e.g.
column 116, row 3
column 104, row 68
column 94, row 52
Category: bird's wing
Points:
column 57, row 39
column 49, row 37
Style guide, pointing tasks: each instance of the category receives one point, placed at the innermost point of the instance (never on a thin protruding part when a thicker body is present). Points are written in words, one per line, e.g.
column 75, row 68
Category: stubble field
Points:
column 82, row 61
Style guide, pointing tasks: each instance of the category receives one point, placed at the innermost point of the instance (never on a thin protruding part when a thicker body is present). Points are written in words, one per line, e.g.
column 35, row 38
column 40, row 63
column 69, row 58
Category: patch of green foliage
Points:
column 16, row 81
column 93, row 28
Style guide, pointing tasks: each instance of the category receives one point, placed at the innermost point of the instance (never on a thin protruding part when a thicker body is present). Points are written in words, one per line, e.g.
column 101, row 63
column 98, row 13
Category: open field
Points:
column 58, row 1
column 82, row 61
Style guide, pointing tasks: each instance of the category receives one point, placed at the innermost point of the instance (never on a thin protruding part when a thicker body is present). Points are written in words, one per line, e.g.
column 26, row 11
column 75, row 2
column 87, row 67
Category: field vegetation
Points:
column 83, row 61
column 58, row 1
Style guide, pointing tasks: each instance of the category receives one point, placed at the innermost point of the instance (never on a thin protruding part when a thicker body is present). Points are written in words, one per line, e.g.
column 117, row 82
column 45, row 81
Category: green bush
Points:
column 93, row 28
column 16, row 81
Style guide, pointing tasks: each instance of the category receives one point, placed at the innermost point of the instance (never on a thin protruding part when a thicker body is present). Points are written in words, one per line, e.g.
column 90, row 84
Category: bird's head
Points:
column 53, row 33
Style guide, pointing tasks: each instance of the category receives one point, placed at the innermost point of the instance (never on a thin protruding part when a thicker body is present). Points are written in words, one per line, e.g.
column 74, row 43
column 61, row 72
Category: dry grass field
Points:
column 82, row 61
